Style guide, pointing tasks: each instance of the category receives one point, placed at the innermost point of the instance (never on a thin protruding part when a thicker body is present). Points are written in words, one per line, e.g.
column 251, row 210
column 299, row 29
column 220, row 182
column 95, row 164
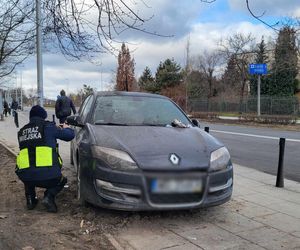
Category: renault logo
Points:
column 174, row 159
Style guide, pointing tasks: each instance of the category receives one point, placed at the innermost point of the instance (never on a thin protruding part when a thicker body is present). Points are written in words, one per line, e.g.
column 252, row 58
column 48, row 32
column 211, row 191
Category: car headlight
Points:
column 115, row 159
column 219, row 159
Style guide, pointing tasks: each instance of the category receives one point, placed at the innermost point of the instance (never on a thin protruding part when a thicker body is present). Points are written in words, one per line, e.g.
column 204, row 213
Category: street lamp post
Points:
column 39, row 54
column 21, row 100
column 16, row 92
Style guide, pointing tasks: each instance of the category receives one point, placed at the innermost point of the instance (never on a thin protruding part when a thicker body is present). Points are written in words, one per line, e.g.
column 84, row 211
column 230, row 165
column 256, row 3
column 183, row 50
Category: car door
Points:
column 83, row 114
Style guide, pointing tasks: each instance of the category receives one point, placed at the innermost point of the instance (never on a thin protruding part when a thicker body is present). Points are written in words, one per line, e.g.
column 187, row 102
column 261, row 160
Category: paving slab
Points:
column 234, row 222
column 281, row 222
column 288, row 208
column 249, row 209
column 260, row 199
column 241, row 190
column 271, row 238
column 212, row 237
column 140, row 238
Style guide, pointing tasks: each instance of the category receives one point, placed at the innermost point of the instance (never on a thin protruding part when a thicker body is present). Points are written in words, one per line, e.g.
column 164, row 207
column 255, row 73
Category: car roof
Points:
column 126, row 93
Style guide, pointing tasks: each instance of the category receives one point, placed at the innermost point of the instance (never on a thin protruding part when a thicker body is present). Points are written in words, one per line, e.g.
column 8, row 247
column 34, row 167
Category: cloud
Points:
column 270, row 7
column 62, row 74
column 170, row 18
column 296, row 12
column 179, row 18
column 58, row 73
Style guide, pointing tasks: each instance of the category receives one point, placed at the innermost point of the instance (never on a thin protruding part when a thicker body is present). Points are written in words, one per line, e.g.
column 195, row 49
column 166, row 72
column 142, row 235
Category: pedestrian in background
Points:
column 14, row 106
column 5, row 108
column 38, row 162
column 63, row 107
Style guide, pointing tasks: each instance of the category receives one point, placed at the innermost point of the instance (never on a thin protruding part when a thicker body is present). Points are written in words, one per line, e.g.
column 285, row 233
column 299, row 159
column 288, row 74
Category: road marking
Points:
column 252, row 135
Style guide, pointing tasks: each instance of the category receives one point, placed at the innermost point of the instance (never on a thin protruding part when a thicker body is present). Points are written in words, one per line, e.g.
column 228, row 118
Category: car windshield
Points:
column 136, row 110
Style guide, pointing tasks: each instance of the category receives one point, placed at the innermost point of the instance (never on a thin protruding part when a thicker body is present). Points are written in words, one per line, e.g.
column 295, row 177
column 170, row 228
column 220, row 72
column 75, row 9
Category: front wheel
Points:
column 71, row 156
column 79, row 186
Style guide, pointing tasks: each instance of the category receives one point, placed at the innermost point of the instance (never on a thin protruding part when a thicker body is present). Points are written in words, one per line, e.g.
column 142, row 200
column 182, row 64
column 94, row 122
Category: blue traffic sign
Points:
column 258, row 69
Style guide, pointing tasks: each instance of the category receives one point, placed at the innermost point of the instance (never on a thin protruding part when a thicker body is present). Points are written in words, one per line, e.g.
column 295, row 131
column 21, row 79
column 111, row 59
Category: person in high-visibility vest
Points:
column 38, row 162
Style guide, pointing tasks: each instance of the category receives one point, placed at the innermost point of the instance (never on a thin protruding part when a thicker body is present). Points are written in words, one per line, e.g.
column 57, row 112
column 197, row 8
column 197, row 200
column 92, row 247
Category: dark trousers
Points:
column 5, row 111
column 53, row 186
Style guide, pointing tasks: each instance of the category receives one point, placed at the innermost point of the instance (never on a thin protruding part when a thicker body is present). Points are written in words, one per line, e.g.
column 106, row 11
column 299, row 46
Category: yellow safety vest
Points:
column 33, row 151
column 43, row 157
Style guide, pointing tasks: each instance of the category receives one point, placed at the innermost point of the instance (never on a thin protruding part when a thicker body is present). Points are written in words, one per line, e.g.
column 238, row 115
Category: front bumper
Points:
column 132, row 191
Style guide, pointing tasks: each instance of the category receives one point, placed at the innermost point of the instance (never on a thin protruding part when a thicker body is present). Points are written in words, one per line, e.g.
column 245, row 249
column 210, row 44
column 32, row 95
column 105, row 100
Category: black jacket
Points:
column 14, row 105
column 63, row 107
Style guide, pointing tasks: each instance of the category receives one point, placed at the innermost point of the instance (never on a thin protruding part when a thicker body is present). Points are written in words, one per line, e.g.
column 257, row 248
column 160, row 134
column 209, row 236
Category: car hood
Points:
column 152, row 147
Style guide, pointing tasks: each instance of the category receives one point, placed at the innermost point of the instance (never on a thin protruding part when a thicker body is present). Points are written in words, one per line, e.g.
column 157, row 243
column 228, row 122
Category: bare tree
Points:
column 81, row 27
column 32, row 94
column 16, row 34
column 239, row 48
column 78, row 28
column 207, row 64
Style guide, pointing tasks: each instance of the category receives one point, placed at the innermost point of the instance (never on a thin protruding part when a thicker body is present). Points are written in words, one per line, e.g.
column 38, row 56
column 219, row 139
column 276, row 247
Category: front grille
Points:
column 175, row 198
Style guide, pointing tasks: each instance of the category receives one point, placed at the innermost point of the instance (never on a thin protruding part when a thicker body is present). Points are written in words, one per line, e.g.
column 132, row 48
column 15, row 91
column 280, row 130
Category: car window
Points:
column 136, row 110
column 83, row 105
column 87, row 108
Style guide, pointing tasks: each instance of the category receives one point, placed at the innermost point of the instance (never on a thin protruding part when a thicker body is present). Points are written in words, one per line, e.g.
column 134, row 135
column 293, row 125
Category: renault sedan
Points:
column 139, row 151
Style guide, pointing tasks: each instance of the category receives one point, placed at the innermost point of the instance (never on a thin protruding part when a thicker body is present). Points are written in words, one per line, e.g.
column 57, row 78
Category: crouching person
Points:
column 38, row 163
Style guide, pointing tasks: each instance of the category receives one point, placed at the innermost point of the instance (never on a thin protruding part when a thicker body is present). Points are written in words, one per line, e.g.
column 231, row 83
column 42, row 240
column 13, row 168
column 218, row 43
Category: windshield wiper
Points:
column 111, row 124
column 151, row 124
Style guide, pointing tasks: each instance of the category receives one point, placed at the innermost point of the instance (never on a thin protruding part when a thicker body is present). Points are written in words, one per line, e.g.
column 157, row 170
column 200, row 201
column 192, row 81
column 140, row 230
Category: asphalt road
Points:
column 258, row 148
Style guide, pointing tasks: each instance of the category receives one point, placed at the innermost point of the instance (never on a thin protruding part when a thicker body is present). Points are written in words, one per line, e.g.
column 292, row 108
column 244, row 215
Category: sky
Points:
column 203, row 24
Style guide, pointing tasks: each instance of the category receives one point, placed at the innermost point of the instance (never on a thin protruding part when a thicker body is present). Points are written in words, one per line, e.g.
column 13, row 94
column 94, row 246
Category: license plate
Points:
column 168, row 186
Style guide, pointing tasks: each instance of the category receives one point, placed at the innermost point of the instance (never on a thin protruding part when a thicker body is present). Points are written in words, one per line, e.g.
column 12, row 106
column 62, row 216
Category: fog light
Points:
column 113, row 188
column 222, row 187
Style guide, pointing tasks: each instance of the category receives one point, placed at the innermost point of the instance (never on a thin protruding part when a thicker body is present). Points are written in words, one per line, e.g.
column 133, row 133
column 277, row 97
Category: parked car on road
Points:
column 139, row 151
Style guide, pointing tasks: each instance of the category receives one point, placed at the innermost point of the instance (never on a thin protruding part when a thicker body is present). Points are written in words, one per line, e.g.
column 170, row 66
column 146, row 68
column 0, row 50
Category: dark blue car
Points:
column 139, row 151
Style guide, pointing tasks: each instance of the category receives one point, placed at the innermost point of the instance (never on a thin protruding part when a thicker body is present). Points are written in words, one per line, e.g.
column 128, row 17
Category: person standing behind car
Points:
column 14, row 106
column 38, row 162
column 6, row 108
column 63, row 107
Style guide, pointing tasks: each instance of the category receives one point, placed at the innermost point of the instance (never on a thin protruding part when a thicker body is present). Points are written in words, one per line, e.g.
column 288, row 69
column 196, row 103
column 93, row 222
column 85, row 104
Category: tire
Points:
column 79, row 186
column 71, row 156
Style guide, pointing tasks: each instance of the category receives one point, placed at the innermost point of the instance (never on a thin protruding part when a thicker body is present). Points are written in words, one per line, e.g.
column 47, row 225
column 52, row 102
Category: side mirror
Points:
column 196, row 123
column 75, row 120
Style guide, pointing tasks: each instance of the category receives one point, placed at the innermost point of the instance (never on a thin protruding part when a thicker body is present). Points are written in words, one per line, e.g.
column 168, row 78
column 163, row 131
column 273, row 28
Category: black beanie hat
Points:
column 38, row 111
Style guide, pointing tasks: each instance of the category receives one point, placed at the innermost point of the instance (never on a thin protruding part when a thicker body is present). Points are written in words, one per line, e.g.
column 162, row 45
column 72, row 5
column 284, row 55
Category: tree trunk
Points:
column 242, row 97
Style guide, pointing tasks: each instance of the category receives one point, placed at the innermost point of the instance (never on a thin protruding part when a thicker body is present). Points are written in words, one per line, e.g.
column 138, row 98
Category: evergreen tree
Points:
column 282, row 80
column 196, row 85
column 146, row 81
column 125, row 71
column 260, row 57
column 168, row 74
column 231, row 77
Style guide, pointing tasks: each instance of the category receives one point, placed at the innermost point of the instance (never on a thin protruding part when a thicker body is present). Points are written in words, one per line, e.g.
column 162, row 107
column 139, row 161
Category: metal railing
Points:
column 269, row 105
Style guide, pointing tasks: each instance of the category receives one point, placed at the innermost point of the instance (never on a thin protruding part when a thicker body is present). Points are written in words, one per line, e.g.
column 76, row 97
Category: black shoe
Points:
column 31, row 202
column 49, row 203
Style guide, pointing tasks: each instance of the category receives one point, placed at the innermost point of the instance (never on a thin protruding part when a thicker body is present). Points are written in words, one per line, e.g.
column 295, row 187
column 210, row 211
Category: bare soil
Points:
column 73, row 227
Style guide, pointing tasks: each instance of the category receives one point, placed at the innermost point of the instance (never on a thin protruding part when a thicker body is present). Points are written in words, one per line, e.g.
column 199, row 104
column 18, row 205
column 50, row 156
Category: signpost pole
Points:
column 258, row 69
column 258, row 95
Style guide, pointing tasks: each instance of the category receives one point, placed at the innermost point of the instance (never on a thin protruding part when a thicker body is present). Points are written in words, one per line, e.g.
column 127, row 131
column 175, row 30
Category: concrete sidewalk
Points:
column 259, row 216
